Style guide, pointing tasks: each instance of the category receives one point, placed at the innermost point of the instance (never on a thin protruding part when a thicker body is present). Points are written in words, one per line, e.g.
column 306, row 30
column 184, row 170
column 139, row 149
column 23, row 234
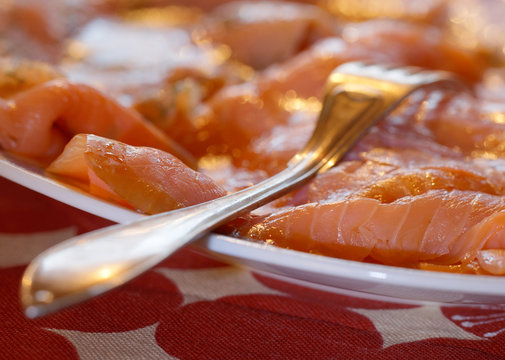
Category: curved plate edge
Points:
column 360, row 279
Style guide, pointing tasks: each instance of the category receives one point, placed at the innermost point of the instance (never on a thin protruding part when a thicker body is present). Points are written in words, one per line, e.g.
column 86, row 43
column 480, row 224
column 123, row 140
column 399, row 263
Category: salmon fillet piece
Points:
column 39, row 121
column 439, row 226
column 149, row 180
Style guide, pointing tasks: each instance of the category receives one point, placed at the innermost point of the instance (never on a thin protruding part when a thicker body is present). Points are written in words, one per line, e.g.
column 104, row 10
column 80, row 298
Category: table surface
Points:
column 193, row 307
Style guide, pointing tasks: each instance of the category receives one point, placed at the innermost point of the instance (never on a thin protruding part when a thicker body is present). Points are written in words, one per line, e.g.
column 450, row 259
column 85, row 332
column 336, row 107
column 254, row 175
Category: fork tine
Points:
column 407, row 76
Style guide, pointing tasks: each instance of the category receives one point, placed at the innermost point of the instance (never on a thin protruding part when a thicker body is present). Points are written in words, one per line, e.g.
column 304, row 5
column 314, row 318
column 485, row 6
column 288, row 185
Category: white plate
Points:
column 371, row 281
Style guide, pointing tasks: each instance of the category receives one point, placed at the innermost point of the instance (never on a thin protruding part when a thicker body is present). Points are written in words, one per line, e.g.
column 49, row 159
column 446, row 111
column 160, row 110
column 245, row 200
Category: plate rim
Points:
column 356, row 270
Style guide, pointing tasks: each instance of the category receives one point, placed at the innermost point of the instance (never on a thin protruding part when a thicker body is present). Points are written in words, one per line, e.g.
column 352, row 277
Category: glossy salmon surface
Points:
column 36, row 122
column 110, row 167
column 440, row 226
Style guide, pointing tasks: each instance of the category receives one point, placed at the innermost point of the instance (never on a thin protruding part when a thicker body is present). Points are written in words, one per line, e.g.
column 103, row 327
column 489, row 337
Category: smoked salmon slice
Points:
column 261, row 33
column 39, row 121
column 442, row 227
column 150, row 180
column 388, row 175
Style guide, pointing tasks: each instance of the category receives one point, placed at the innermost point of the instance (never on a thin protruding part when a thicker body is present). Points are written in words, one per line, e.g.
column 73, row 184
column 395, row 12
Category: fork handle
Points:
column 90, row 264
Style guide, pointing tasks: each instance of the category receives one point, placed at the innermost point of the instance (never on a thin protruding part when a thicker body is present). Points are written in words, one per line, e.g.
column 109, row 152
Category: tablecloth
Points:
column 194, row 307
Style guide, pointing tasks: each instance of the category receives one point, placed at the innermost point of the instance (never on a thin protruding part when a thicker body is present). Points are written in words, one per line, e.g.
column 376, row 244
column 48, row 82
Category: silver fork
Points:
column 357, row 95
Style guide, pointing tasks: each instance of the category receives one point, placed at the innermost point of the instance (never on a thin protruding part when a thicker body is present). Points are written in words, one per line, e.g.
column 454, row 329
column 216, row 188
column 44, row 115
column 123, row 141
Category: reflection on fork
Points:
column 357, row 96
